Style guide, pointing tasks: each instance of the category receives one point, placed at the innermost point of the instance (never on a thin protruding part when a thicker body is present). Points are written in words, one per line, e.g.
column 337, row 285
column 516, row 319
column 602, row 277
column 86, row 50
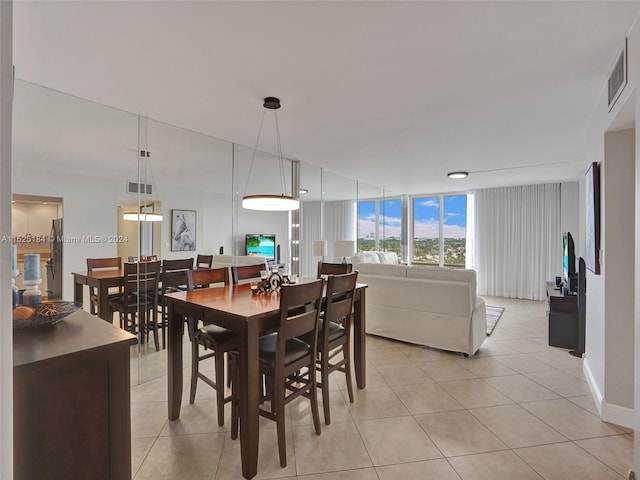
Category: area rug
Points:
column 493, row 315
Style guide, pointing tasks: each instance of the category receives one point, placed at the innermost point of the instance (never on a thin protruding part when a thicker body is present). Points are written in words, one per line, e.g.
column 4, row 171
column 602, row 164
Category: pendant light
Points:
column 141, row 216
column 270, row 202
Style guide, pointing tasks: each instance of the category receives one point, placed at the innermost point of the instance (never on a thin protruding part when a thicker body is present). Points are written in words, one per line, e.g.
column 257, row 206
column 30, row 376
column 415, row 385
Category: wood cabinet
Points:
column 72, row 406
column 563, row 318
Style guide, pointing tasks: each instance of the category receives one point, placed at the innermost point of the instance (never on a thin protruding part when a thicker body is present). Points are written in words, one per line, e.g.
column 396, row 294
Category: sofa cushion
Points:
column 446, row 274
column 365, row 257
column 388, row 257
column 387, row 270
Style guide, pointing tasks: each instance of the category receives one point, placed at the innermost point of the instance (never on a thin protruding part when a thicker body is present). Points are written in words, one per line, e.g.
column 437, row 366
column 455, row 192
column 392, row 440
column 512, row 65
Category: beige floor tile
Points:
column 375, row 403
column 459, row 433
column 148, row 419
column 475, row 393
column 359, row 474
column 570, row 420
column 559, row 358
column 485, row 367
column 152, row 391
column 615, row 451
column 230, row 466
column 387, row 356
column 528, row 345
column 182, row 456
column 504, row 465
column 562, row 461
column 443, row 371
column 426, row 398
column 403, row 375
column 432, row 469
column 301, row 409
column 374, row 379
column 516, row 427
column 420, row 353
column 396, row 440
column 523, row 363
column 491, row 348
column 561, row 383
column 340, row 447
column 587, row 402
column 140, row 447
column 375, row 342
column 520, row 389
column 201, row 417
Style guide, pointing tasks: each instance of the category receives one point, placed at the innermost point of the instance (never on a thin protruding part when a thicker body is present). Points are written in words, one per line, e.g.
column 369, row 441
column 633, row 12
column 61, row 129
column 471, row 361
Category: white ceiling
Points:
column 392, row 93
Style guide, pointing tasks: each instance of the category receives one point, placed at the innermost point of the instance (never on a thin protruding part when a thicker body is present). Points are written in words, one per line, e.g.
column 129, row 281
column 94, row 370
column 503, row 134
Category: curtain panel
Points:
column 518, row 240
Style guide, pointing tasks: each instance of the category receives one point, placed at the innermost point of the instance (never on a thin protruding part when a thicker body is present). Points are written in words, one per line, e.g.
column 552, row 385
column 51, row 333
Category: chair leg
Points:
column 234, row 396
column 218, row 359
column 314, row 402
column 324, row 373
column 346, row 351
column 195, row 354
column 278, row 409
column 153, row 318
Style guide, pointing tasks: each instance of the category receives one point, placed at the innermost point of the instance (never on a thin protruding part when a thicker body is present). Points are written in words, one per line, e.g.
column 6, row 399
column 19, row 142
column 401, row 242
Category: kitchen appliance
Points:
column 54, row 264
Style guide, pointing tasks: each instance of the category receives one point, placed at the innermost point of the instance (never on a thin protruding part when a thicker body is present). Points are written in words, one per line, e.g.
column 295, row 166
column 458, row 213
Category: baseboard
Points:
column 608, row 412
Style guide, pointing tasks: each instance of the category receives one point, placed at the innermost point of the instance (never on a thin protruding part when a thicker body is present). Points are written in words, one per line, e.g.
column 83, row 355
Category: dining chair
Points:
column 287, row 363
column 204, row 261
column 94, row 264
column 173, row 278
column 334, row 335
column 139, row 299
column 244, row 273
column 325, row 268
column 216, row 340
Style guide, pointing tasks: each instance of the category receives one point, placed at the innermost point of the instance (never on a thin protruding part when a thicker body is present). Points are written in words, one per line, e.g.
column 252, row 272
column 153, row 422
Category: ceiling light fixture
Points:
column 270, row 202
column 140, row 215
column 458, row 174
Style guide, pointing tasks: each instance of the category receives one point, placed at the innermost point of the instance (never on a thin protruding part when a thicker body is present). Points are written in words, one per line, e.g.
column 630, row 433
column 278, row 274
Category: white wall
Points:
column 569, row 211
column 6, row 334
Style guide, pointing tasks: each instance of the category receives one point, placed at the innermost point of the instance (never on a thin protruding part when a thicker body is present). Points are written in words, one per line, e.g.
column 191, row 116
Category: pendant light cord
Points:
column 253, row 157
column 280, row 160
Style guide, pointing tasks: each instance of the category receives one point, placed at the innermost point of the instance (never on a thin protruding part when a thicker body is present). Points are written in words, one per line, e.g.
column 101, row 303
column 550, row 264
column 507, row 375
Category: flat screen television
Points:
column 568, row 260
column 261, row 244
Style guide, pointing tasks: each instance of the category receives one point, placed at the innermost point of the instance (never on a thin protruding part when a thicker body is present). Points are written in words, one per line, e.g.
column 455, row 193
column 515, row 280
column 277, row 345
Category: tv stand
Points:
column 562, row 312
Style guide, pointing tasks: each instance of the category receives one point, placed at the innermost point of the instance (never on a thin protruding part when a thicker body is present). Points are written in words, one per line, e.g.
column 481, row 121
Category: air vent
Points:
column 143, row 188
column 618, row 77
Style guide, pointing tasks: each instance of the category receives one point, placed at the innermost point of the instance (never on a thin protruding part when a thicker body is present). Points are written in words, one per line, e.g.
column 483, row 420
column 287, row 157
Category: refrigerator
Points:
column 54, row 264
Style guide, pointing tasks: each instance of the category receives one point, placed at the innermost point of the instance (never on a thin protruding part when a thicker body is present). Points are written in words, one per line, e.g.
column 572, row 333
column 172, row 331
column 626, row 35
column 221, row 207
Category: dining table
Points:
column 236, row 308
column 102, row 281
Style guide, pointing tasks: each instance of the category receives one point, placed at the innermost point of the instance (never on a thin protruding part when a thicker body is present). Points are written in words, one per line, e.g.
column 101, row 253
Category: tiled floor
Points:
column 519, row 409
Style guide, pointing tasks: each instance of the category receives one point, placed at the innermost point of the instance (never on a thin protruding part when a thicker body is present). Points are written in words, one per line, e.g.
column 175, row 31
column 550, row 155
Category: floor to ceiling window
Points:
column 380, row 225
column 439, row 230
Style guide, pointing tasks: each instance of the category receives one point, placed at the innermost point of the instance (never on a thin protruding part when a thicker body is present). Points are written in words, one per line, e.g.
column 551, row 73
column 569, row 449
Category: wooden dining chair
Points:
column 172, row 279
column 325, row 268
column 139, row 299
column 287, row 362
column 95, row 264
column 204, row 261
column 245, row 273
column 334, row 335
column 217, row 341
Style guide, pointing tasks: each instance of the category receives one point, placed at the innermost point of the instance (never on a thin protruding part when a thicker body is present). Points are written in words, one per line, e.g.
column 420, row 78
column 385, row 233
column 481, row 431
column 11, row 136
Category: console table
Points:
column 562, row 313
column 71, row 394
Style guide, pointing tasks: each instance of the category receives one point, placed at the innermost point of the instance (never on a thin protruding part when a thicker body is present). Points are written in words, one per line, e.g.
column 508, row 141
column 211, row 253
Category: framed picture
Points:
column 183, row 230
column 592, row 222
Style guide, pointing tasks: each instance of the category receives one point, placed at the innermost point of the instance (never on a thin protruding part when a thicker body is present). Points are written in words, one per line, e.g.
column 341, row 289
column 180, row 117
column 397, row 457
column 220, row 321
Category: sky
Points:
column 426, row 217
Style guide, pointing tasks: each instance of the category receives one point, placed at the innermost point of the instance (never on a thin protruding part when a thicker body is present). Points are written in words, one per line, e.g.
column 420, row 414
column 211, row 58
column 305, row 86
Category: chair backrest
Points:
column 174, row 273
column 334, row 268
column 204, row 277
column 142, row 278
column 204, row 261
column 179, row 264
column 114, row 263
column 339, row 302
column 246, row 272
column 299, row 313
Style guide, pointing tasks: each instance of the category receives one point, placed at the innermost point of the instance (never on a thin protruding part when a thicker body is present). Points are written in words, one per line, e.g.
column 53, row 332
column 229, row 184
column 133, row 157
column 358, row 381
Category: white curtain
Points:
column 341, row 223
column 517, row 240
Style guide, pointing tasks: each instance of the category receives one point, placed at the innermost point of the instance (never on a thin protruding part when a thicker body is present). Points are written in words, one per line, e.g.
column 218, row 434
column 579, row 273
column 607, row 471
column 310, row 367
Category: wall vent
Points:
column 142, row 188
column 618, row 77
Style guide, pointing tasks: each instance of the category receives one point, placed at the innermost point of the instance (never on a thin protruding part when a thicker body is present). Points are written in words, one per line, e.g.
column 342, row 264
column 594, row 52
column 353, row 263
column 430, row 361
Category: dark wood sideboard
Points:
column 563, row 318
column 72, row 403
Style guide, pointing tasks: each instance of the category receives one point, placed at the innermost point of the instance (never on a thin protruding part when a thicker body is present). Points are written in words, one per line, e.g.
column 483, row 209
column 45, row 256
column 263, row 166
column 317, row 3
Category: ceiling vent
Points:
column 142, row 188
column 618, row 77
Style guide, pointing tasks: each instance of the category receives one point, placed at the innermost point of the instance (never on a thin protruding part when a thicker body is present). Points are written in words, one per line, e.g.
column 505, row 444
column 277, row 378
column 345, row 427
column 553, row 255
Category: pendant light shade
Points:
column 140, row 216
column 270, row 202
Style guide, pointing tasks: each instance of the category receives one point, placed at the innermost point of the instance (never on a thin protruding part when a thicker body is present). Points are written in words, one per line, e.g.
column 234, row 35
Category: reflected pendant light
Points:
column 145, row 216
column 270, row 202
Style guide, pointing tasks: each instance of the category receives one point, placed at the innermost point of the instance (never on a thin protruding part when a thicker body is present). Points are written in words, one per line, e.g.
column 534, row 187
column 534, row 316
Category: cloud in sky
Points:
column 428, row 202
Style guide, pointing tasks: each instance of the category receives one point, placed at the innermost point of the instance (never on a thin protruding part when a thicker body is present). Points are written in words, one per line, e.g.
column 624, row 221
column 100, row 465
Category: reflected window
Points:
column 380, row 225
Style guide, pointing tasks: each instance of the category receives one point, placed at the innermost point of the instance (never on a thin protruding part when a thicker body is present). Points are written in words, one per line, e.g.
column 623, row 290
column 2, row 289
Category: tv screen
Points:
column 261, row 244
column 568, row 258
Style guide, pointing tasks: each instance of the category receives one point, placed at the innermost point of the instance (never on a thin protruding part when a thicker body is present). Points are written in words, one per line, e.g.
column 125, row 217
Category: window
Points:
column 439, row 230
column 380, row 225
column 367, row 226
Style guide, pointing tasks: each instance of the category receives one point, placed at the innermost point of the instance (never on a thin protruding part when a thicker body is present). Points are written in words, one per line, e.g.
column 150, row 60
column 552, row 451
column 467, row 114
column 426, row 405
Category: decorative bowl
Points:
column 43, row 314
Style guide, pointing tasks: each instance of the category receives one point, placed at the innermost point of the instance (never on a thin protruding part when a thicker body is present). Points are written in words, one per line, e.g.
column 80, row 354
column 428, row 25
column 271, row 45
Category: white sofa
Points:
column 374, row 257
column 430, row 306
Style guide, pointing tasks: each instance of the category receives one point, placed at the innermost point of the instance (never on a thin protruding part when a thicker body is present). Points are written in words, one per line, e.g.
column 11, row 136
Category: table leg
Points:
column 77, row 291
column 360, row 339
column 174, row 361
column 249, row 400
column 104, row 312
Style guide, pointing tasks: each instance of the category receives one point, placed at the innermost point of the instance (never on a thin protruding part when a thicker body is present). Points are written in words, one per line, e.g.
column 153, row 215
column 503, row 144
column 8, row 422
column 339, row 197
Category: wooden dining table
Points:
column 102, row 280
column 234, row 307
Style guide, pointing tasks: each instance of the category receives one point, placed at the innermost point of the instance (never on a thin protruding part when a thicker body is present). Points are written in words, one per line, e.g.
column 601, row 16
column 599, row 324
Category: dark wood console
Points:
column 562, row 313
column 72, row 407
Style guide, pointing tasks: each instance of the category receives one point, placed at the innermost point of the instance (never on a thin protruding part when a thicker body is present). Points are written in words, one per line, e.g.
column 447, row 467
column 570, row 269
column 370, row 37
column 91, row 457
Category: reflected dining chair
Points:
column 287, row 363
column 173, row 278
column 334, row 335
column 245, row 273
column 216, row 340
column 94, row 264
column 204, row 261
column 325, row 268
column 139, row 299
